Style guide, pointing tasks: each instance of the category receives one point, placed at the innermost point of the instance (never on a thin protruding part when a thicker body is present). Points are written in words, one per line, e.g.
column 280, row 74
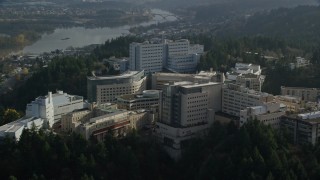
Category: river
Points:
column 80, row 36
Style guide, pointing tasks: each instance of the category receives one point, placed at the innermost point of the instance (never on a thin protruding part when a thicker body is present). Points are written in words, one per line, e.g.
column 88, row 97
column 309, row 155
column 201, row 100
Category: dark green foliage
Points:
column 302, row 77
column 67, row 73
column 283, row 23
column 8, row 115
column 252, row 152
column 39, row 155
column 118, row 47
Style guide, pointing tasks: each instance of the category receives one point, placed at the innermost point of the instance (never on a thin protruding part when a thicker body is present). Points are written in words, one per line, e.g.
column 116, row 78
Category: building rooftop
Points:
column 287, row 97
column 250, row 75
column 310, row 117
column 16, row 125
column 199, row 84
column 233, row 73
column 101, row 118
column 244, row 69
column 172, row 74
column 114, row 59
column 245, row 65
column 139, row 111
column 282, row 87
column 243, row 89
column 207, row 73
column 64, row 98
column 126, row 74
column 201, row 74
column 146, row 94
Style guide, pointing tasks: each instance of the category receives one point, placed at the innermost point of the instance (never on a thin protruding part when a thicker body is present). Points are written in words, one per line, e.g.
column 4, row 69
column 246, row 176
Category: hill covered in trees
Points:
column 297, row 24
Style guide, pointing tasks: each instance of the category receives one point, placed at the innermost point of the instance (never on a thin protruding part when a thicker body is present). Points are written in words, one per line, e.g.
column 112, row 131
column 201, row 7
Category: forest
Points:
column 254, row 151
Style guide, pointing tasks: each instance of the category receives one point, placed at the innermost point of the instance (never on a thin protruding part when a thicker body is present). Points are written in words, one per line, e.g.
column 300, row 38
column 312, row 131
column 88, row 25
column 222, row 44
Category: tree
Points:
column 9, row 115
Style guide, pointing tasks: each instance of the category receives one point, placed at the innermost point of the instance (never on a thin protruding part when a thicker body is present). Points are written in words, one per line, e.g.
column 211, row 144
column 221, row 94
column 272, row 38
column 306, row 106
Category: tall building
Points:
column 51, row 107
column 42, row 107
column 147, row 56
column 187, row 111
column 306, row 94
column 153, row 56
column 64, row 103
column 236, row 98
column 303, row 128
column 105, row 89
column 181, row 56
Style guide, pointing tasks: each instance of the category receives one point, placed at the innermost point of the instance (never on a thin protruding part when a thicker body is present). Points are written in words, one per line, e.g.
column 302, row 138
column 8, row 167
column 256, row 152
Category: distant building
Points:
column 153, row 56
column 187, row 111
column 105, row 89
column 306, row 94
column 268, row 114
column 300, row 62
column 118, row 64
column 303, row 128
column 183, row 63
column 236, row 98
column 147, row 56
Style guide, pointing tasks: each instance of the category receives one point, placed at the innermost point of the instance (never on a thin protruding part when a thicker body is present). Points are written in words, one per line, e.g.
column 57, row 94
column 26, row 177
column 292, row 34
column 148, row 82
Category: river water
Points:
column 80, row 36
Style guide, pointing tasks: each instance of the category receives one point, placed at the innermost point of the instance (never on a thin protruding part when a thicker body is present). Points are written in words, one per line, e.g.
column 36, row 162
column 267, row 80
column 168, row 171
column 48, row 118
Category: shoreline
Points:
column 36, row 35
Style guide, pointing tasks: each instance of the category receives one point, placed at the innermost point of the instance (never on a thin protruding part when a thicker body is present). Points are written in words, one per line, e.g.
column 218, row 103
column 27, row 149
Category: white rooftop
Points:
column 192, row 85
column 64, row 98
column 310, row 115
column 126, row 74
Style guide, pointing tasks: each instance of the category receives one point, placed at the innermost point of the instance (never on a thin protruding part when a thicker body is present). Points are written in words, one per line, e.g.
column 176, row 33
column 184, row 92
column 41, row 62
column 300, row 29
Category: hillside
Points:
column 300, row 23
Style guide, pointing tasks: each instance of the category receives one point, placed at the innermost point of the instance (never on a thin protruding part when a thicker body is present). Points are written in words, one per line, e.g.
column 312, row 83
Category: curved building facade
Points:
column 107, row 88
